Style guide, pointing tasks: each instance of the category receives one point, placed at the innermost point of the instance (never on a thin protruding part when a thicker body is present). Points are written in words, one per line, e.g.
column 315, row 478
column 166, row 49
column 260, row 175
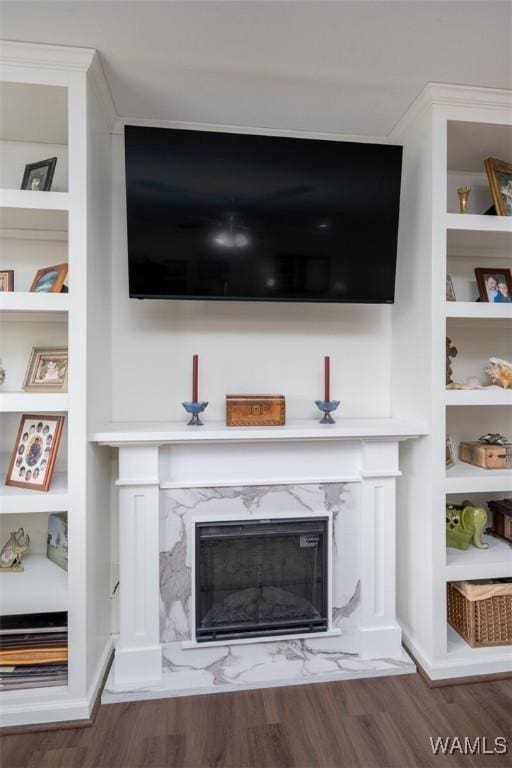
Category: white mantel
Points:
column 155, row 456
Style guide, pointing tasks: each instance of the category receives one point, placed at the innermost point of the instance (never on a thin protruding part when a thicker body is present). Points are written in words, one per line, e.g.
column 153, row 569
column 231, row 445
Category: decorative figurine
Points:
column 465, row 522
column 327, row 405
column 10, row 556
column 500, row 372
column 195, row 407
column 451, row 352
column 463, row 193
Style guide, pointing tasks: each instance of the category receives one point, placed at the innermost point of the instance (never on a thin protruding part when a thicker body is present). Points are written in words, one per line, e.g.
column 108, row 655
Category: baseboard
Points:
column 65, row 713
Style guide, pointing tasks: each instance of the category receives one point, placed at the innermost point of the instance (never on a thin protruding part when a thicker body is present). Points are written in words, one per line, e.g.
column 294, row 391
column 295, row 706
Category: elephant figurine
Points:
column 465, row 522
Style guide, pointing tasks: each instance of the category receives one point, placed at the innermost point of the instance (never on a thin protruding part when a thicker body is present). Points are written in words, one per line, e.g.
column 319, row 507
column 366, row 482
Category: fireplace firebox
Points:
column 259, row 578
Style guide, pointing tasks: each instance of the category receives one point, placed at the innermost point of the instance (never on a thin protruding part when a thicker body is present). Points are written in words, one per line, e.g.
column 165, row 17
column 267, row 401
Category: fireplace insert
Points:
column 259, row 578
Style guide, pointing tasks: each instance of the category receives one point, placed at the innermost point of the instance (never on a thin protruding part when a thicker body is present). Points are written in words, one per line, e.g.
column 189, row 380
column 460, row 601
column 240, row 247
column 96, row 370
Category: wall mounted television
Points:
column 230, row 216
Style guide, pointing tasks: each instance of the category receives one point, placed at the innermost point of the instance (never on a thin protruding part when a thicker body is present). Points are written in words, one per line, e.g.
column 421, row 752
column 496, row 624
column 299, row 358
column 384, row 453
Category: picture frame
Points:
column 50, row 279
column 450, row 290
column 499, row 174
column 494, row 284
column 35, row 451
column 450, row 453
column 38, row 177
column 47, row 370
column 6, row 280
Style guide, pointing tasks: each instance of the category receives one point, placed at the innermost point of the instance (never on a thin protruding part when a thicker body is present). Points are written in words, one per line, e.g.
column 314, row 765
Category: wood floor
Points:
column 359, row 724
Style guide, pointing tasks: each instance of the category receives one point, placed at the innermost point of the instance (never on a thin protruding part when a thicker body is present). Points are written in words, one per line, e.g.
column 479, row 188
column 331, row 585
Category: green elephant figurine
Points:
column 463, row 523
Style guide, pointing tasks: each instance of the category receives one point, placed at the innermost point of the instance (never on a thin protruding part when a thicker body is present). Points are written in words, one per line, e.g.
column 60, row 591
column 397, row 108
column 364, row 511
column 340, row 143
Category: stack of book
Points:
column 33, row 650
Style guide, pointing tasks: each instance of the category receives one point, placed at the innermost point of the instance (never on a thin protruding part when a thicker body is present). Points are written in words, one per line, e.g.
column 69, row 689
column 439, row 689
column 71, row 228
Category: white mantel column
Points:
column 380, row 635
column 138, row 658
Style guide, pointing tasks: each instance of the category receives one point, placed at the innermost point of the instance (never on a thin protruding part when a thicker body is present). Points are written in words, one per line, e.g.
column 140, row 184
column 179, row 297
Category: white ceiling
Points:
column 346, row 67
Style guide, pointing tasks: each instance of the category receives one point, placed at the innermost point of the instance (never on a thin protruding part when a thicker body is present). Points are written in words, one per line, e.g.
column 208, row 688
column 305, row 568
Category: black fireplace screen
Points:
column 259, row 578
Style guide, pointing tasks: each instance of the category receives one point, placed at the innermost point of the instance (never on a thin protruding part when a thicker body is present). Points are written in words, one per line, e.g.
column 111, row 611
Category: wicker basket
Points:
column 481, row 611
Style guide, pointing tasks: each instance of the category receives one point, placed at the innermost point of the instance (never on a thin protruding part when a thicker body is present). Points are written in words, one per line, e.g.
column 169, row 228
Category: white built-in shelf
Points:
column 473, row 563
column 458, row 649
column 479, row 222
column 33, row 224
column 14, row 500
column 478, row 310
column 163, row 432
column 488, row 396
column 466, row 478
column 13, row 402
column 25, row 198
column 24, row 301
column 40, row 588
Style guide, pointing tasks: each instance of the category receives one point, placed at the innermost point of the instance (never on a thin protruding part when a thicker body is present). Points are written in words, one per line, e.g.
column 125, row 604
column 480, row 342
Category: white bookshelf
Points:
column 36, row 402
column 39, row 588
column 467, row 478
column 70, row 223
column 447, row 134
column 473, row 563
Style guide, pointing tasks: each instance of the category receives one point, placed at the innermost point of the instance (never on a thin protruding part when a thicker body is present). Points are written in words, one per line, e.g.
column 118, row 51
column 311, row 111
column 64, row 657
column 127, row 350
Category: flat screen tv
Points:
column 262, row 218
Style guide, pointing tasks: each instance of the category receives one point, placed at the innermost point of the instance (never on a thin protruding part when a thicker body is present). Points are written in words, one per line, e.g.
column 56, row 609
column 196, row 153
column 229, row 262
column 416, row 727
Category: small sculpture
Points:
column 463, row 193
column 10, row 556
column 500, row 372
column 465, row 522
column 451, row 352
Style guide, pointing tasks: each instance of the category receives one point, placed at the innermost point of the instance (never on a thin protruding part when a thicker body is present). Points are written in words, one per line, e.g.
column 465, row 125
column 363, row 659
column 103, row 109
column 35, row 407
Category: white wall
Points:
column 243, row 347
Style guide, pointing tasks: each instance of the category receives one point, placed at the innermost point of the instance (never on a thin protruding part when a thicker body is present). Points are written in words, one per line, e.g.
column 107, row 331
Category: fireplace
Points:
column 257, row 578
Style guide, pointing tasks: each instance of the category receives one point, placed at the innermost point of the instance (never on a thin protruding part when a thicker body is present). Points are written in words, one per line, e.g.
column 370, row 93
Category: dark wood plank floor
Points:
column 381, row 723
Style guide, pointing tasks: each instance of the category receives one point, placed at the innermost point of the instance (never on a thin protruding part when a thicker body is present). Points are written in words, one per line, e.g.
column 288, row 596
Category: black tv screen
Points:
column 268, row 218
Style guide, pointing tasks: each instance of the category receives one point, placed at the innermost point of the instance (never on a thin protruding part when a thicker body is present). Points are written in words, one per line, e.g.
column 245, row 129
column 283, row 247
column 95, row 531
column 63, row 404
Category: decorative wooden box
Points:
column 501, row 518
column 255, row 410
column 487, row 456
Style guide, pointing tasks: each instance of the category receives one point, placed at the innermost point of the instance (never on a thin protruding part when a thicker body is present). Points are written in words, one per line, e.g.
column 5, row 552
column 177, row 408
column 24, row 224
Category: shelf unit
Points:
column 36, row 229
column 442, row 134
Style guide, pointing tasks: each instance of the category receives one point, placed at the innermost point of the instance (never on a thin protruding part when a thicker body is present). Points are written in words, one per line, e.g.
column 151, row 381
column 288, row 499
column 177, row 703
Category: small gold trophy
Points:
column 463, row 193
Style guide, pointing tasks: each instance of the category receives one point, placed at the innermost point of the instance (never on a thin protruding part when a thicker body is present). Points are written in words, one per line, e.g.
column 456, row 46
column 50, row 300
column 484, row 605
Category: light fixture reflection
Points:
column 233, row 237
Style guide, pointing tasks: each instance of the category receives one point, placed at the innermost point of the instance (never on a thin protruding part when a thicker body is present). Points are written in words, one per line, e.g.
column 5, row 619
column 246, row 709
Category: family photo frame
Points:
column 6, row 280
column 50, row 279
column 499, row 174
column 38, row 176
column 494, row 284
column 47, row 370
column 35, row 452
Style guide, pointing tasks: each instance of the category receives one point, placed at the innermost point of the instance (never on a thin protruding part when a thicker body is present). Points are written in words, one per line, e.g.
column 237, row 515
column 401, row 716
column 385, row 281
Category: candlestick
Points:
column 327, row 378
column 195, row 366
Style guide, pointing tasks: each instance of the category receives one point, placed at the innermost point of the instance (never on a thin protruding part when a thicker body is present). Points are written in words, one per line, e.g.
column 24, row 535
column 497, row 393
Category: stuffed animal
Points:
column 465, row 522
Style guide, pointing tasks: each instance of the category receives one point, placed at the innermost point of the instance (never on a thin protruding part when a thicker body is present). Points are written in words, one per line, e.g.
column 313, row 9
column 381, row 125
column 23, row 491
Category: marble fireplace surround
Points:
column 171, row 476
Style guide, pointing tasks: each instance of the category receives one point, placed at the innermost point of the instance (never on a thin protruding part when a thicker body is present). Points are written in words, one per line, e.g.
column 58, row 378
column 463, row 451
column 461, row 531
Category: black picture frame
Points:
column 46, row 168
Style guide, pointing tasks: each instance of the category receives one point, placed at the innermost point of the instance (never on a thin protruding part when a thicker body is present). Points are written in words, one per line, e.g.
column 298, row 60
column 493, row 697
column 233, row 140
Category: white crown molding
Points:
column 101, row 89
column 19, row 54
column 453, row 95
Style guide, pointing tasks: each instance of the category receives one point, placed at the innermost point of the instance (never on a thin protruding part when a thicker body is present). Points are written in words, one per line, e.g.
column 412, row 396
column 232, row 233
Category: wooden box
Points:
column 501, row 518
column 255, row 410
column 487, row 456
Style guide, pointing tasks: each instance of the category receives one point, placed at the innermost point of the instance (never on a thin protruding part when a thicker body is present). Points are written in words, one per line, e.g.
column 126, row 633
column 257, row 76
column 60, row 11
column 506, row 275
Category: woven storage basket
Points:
column 481, row 611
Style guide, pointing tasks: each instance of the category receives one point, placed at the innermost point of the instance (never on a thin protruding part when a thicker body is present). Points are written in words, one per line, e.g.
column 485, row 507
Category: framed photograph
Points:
column 35, row 452
column 38, row 177
column 499, row 174
column 450, row 453
column 6, row 280
column 50, row 279
column 494, row 285
column 450, row 290
column 47, row 370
